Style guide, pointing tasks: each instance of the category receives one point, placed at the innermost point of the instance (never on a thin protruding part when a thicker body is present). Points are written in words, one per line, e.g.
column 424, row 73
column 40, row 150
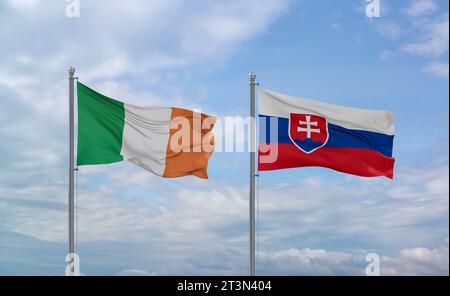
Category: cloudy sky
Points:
column 197, row 54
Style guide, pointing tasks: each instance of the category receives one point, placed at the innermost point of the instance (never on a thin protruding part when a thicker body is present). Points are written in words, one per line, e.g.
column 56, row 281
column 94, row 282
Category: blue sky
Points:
column 197, row 54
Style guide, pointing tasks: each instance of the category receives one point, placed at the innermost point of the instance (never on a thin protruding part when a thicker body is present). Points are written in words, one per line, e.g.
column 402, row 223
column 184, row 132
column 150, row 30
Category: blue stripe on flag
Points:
column 339, row 137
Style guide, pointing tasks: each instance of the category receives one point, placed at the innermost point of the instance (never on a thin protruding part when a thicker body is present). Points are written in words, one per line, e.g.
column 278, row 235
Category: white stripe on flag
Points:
column 279, row 105
column 145, row 137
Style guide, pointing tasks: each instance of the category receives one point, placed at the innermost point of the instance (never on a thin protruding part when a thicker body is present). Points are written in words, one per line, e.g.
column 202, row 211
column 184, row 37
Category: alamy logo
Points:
column 373, row 266
column 73, row 264
column 73, row 8
column 373, row 8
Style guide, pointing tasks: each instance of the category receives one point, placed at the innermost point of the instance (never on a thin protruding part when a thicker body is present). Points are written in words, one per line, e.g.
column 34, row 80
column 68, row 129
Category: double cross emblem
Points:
column 308, row 129
column 308, row 132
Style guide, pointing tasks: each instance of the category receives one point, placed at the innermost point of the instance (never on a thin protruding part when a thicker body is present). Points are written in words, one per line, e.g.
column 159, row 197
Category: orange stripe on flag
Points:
column 190, row 145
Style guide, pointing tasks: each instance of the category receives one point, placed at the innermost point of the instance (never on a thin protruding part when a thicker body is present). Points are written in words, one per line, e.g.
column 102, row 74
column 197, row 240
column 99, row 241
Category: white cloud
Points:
column 437, row 69
column 428, row 35
column 434, row 41
column 421, row 7
column 416, row 261
column 307, row 262
column 23, row 4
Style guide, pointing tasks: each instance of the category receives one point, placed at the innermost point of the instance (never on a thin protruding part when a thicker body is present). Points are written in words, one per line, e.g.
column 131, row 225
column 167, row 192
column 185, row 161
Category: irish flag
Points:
column 169, row 142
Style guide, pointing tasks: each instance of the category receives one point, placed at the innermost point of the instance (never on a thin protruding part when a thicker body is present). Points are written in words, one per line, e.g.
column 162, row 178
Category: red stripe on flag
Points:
column 360, row 162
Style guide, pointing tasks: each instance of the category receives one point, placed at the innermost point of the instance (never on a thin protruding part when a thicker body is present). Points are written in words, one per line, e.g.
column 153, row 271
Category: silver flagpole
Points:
column 71, row 172
column 252, row 78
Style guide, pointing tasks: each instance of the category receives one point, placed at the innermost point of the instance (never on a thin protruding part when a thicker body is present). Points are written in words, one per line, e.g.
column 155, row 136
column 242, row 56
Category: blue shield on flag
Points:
column 308, row 132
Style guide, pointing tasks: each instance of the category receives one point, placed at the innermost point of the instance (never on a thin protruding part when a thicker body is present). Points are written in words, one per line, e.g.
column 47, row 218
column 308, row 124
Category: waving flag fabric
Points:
column 169, row 142
column 297, row 132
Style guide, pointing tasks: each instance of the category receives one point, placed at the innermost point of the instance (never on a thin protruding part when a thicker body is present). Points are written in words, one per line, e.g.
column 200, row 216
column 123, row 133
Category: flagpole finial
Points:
column 71, row 71
column 252, row 76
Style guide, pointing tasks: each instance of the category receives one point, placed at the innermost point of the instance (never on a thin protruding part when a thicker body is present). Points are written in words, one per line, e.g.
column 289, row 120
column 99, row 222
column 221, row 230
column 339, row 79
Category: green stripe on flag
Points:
column 100, row 127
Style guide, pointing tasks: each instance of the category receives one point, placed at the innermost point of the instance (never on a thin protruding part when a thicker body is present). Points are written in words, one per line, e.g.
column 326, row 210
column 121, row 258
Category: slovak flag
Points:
column 295, row 132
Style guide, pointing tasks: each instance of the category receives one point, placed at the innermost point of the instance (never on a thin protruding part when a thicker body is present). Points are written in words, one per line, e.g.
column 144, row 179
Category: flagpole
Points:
column 252, row 78
column 71, row 171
